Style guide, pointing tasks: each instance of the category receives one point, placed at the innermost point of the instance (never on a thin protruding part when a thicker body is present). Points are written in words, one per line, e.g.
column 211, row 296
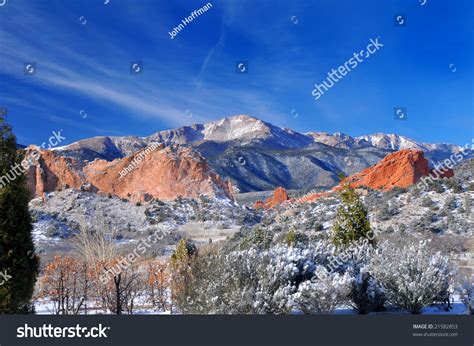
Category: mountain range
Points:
column 258, row 156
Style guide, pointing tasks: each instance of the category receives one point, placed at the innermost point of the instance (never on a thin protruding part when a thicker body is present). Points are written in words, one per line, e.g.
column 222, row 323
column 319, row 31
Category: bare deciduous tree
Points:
column 116, row 288
column 158, row 284
column 61, row 284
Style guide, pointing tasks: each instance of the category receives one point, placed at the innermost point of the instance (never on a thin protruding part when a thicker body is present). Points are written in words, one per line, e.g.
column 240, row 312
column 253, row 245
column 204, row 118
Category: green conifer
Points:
column 18, row 261
column 351, row 223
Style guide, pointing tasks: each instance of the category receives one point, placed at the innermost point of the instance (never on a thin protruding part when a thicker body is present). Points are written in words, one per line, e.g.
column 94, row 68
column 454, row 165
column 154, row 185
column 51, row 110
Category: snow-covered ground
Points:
column 44, row 307
column 446, row 218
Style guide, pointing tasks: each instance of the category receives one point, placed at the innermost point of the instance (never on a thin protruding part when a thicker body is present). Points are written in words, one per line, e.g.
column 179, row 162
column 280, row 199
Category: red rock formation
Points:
column 313, row 197
column 154, row 172
column 51, row 172
column 400, row 169
column 279, row 196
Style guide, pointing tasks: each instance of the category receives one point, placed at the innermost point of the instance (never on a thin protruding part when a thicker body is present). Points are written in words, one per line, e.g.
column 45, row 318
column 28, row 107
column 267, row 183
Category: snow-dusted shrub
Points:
column 259, row 237
column 323, row 293
column 412, row 276
column 383, row 213
column 460, row 226
column 466, row 291
column 454, row 184
column 221, row 283
column 281, row 270
column 293, row 238
column 258, row 281
column 450, row 203
column 367, row 295
column 426, row 202
column 248, row 217
column 395, row 192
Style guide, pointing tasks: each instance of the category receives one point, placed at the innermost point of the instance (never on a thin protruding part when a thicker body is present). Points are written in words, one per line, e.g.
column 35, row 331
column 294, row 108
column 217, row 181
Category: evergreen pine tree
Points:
column 351, row 223
column 181, row 272
column 18, row 261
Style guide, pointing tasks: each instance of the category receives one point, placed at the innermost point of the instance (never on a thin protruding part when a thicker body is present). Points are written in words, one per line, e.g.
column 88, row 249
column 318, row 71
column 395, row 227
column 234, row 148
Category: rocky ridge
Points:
column 154, row 172
column 258, row 156
column 400, row 169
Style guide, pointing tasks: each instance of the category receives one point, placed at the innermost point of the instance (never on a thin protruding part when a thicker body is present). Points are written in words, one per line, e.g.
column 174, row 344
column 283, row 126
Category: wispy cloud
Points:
column 219, row 43
column 65, row 69
column 87, row 66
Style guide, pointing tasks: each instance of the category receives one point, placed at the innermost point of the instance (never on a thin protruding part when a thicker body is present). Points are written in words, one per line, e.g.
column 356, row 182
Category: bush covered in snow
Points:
column 466, row 291
column 279, row 280
column 295, row 238
column 284, row 276
column 323, row 293
column 412, row 276
column 367, row 295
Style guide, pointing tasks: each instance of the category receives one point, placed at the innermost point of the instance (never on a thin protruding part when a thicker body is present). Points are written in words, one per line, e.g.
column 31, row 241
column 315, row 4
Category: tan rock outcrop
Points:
column 154, row 172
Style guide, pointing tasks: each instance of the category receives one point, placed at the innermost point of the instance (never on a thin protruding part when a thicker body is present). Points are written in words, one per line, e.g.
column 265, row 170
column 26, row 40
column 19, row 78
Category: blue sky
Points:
column 86, row 67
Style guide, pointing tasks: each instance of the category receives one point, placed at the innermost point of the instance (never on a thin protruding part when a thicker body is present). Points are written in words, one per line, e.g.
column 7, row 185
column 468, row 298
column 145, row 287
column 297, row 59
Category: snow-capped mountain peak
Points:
column 235, row 127
column 247, row 130
column 397, row 142
column 337, row 139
